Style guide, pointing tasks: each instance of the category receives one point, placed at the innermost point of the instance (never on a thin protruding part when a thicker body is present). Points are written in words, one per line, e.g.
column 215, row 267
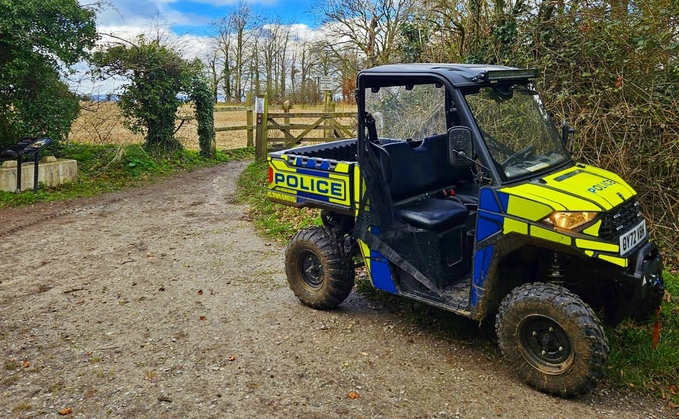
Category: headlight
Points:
column 570, row 220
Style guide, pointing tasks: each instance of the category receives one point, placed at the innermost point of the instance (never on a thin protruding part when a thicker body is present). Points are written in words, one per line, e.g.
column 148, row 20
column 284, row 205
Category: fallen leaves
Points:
column 26, row 364
column 66, row 411
column 232, row 358
column 618, row 82
column 353, row 395
column 200, row 292
column 203, row 318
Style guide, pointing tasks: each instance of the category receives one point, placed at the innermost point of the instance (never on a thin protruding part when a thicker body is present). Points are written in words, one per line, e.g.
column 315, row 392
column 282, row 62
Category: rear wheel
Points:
column 318, row 272
column 553, row 339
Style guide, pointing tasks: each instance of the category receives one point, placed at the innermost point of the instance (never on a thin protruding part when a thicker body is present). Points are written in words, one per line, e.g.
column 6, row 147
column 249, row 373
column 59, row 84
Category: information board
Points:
column 327, row 83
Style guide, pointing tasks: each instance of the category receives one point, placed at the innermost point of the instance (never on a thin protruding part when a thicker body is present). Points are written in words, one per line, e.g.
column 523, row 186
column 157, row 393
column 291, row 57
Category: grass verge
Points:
column 633, row 363
column 104, row 169
column 277, row 222
column 636, row 364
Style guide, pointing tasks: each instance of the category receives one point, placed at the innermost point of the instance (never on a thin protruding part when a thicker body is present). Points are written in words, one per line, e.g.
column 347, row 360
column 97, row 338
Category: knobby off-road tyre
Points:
column 649, row 305
column 318, row 272
column 553, row 339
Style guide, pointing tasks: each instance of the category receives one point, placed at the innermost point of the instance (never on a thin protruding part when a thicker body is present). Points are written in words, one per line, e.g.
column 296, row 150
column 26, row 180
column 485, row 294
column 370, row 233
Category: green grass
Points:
column 275, row 221
column 104, row 169
column 633, row 363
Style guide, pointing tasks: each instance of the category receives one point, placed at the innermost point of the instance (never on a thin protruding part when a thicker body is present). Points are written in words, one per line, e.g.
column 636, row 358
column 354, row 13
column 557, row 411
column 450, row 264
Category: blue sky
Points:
column 194, row 17
column 189, row 23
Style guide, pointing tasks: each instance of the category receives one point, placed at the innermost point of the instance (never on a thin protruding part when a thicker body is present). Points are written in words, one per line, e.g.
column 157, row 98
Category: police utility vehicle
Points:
column 461, row 193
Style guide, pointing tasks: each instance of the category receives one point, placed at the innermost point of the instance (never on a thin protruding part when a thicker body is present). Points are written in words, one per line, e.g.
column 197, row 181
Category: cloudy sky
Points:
column 194, row 16
column 189, row 21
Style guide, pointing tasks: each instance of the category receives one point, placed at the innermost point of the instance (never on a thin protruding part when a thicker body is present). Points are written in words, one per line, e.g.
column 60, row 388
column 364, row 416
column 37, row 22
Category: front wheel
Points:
column 553, row 339
column 318, row 272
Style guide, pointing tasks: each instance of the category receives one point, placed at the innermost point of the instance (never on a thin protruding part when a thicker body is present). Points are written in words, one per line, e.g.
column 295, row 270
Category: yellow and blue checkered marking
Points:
column 305, row 180
column 522, row 209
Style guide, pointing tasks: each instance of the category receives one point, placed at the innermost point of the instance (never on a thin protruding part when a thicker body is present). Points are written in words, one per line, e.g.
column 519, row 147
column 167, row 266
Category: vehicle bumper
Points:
column 642, row 277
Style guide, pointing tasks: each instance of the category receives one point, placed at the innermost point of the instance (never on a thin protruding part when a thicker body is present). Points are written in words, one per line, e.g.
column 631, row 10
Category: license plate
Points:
column 633, row 237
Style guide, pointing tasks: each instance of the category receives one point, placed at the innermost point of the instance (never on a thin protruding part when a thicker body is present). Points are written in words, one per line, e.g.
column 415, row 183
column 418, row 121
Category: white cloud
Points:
column 220, row 3
column 155, row 18
column 144, row 12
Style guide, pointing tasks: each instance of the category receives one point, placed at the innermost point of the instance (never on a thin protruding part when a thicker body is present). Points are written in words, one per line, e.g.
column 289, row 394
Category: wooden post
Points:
column 327, row 127
column 249, row 120
column 286, row 120
column 262, row 111
column 286, row 109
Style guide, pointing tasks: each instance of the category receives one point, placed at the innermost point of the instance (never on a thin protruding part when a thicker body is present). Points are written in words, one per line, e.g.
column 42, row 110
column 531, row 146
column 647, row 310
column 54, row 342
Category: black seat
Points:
column 433, row 214
column 418, row 169
column 469, row 201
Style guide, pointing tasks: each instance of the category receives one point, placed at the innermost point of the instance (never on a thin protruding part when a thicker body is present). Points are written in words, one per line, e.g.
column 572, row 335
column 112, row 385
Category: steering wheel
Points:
column 520, row 155
column 494, row 144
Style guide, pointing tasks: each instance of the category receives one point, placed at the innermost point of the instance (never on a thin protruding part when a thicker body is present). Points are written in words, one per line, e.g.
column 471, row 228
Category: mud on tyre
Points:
column 552, row 338
column 318, row 271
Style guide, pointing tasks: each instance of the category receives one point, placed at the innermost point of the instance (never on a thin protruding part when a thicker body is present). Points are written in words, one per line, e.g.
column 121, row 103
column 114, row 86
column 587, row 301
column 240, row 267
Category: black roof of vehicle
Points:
column 457, row 74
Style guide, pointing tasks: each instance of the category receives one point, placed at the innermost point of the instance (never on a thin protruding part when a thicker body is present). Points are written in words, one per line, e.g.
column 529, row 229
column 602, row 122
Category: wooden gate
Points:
column 283, row 129
column 334, row 126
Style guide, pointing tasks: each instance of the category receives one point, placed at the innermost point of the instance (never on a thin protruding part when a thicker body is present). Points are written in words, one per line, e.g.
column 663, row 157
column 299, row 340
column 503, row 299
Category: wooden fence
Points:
column 267, row 130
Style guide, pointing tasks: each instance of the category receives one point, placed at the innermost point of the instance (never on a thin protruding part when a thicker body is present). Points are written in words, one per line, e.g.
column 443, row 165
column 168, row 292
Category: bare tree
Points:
column 370, row 26
column 302, row 55
column 283, row 60
column 223, row 57
column 212, row 70
column 236, row 32
column 274, row 59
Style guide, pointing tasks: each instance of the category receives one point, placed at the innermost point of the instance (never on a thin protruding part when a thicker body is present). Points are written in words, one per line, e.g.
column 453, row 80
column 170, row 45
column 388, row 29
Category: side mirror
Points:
column 460, row 148
column 567, row 134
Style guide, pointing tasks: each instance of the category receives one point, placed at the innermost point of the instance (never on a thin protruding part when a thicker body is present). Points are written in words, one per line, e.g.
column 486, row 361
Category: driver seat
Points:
column 423, row 169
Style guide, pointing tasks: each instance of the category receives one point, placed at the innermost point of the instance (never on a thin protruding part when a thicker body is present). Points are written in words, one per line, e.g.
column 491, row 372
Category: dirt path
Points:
column 162, row 302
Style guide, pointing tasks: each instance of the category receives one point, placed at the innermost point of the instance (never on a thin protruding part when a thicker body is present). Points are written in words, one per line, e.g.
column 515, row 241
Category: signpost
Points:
column 326, row 83
column 261, row 111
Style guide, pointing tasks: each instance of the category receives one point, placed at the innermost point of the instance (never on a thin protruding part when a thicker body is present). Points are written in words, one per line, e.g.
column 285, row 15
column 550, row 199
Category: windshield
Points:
column 517, row 129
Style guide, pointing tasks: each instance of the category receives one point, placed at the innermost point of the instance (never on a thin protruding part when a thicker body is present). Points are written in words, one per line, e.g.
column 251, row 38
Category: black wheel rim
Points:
column 545, row 345
column 311, row 270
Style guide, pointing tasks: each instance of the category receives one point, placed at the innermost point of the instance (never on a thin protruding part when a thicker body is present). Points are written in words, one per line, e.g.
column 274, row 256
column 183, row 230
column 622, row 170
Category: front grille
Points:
column 620, row 219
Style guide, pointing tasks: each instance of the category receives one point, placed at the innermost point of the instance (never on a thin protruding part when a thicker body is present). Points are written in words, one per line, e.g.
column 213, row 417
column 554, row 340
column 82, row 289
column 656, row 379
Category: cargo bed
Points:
column 318, row 176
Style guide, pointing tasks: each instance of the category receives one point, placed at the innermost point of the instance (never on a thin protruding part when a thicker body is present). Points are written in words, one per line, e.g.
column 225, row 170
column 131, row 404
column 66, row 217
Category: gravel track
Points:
column 163, row 302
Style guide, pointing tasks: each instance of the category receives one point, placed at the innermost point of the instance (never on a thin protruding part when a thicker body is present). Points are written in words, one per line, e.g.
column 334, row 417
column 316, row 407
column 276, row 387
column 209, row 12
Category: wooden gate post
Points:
column 249, row 120
column 262, row 110
column 286, row 109
column 327, row 126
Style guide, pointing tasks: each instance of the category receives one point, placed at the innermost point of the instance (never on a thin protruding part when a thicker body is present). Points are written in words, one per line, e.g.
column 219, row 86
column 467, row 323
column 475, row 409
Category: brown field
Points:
column 102, row 123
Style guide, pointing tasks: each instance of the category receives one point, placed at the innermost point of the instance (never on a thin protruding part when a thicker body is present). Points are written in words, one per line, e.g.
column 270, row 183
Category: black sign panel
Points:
column 25, row 147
